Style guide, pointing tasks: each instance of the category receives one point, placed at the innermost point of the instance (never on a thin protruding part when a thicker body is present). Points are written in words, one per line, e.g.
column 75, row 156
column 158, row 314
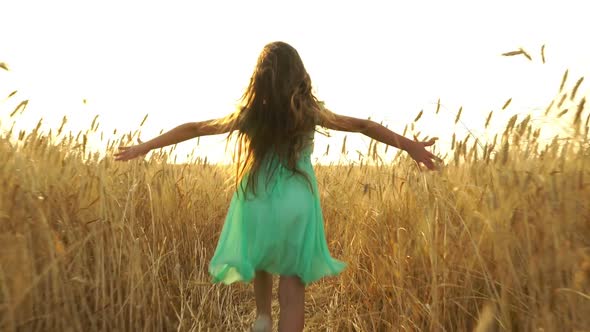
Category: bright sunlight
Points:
column 190, row 61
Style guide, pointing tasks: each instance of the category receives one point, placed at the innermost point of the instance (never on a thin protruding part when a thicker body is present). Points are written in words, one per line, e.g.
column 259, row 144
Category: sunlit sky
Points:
column 182, row 61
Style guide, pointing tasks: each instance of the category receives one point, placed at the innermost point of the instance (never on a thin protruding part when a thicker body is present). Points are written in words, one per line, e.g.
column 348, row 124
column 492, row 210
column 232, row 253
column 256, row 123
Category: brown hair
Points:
column 278, row 113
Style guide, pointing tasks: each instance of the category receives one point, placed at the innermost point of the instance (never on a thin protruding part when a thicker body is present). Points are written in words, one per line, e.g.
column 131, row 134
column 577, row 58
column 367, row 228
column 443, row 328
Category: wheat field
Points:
column 497, row 240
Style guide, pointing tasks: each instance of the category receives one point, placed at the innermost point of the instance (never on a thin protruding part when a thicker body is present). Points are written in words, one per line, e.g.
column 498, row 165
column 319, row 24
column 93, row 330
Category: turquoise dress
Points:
column 279, row 230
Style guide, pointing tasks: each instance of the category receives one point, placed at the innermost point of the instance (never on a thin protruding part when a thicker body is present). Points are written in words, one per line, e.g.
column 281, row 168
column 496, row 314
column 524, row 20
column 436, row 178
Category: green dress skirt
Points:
column 279, row 230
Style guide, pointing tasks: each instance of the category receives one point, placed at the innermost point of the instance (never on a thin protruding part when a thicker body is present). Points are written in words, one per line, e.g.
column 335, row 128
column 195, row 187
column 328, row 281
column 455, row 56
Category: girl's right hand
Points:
column 419, row 153
column 131, row 152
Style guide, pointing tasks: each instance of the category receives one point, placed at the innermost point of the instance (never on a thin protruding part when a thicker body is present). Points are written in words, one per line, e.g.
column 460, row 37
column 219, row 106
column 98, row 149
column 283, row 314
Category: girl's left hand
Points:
column 131, row 152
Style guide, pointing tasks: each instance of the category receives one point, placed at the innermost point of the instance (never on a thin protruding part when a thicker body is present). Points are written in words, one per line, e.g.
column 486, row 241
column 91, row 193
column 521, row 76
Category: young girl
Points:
column 275, row 225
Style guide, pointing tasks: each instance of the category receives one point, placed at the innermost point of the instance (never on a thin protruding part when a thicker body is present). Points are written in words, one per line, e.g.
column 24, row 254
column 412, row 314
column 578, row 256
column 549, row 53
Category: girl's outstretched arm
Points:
column 179, row 134
column 379, row 133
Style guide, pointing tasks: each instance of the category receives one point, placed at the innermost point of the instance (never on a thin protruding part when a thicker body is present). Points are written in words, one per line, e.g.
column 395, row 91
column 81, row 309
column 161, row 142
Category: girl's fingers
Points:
column 430, row 141
column 432, row 156
column 121, row 154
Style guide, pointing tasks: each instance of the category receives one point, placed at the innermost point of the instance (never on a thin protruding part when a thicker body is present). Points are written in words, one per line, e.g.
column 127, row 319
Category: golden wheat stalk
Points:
column 21, row 106
column 92, row 128
column 575, row 89
column 563, row 98
column 511, row 122
column 437, row 106
column 458, row 114
column 562, row 113
column 488, row 119
column 578, row 116
column 563, row 80
column 419, row 116
column 506, row 103
column 64, row 120
column 548, row 109
column 144, row 119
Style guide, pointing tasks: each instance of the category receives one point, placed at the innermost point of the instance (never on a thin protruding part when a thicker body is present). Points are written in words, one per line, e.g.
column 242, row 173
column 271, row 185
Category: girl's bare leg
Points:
column 263, row 293
column 292, row 302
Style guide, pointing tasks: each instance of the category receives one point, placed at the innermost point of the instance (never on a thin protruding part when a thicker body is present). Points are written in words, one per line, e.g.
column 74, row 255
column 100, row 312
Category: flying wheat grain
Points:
column 520, row 51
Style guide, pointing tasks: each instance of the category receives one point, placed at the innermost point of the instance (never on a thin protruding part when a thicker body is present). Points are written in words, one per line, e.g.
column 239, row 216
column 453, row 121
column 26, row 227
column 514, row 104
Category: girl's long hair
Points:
column 278, row 113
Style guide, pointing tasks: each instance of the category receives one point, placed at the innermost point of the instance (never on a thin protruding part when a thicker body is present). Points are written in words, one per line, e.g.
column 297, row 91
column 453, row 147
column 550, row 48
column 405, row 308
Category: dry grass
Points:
column 499, row 239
